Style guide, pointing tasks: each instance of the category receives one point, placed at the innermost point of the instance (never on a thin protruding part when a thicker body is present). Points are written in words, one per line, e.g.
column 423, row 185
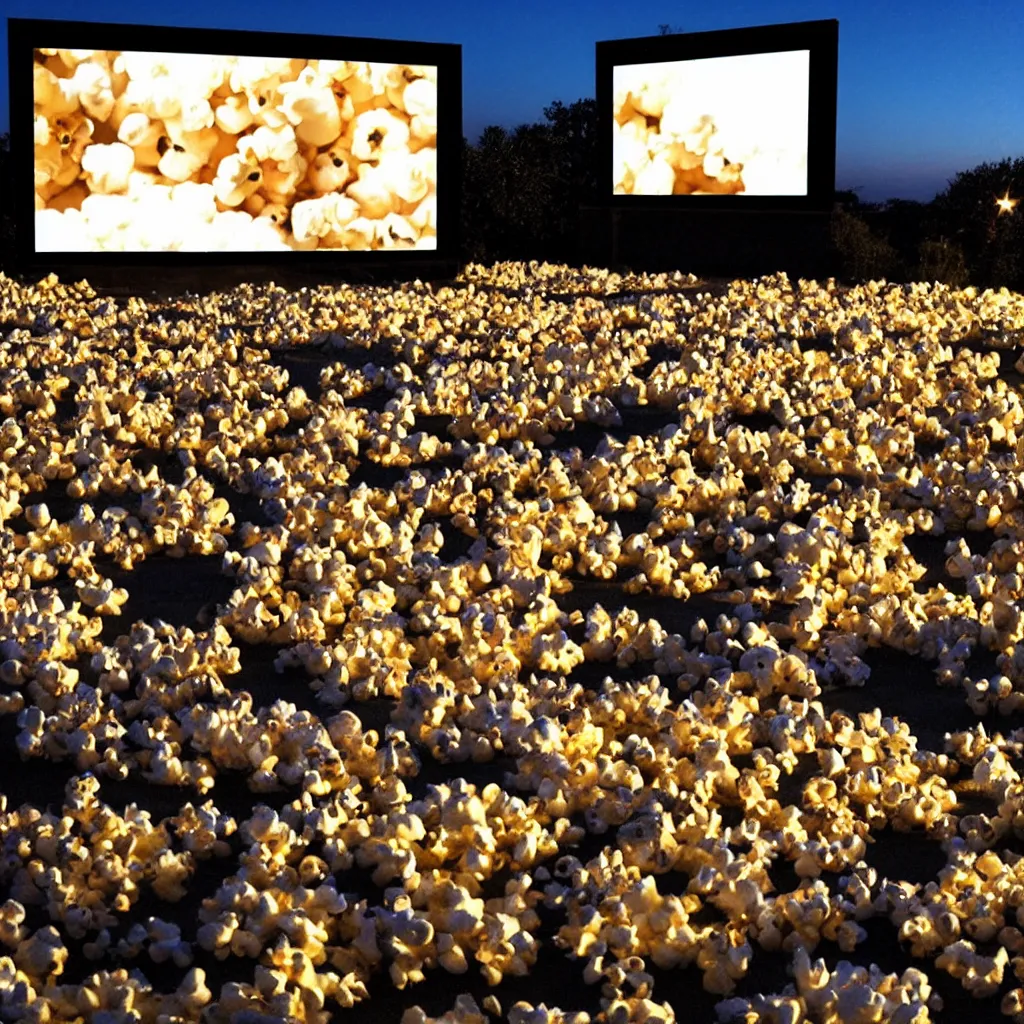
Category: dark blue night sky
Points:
column 926, row 87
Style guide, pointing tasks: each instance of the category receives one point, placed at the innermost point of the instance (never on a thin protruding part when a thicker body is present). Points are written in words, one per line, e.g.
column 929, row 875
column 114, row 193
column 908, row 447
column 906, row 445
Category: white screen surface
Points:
column 138, row 151
column 735, row 125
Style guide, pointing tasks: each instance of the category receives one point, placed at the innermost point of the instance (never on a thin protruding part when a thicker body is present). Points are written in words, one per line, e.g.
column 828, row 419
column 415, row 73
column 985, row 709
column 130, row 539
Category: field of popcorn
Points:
column 552, row 646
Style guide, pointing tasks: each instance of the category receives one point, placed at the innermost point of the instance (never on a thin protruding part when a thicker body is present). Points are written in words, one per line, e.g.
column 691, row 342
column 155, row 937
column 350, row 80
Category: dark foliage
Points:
column 941, row 260
column 863, row 254
column 848, row 198
column 904, row 223
column 993, row 244
column 523, row 189
column 958, row 238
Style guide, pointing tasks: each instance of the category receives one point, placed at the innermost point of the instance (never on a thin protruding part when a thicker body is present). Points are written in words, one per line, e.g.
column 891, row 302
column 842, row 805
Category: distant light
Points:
column 1006, row 204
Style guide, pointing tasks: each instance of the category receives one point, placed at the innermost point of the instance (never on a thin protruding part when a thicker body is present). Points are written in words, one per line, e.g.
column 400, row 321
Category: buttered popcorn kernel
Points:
column 193, row 152
column 558, row 602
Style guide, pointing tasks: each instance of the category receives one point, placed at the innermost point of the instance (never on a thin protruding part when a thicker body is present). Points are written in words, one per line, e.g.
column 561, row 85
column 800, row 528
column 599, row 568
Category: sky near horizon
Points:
column 924, row 89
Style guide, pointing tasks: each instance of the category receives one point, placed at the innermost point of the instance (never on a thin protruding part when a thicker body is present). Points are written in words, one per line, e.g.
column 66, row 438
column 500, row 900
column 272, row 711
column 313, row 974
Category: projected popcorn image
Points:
column 734, row 125
column 144, row 151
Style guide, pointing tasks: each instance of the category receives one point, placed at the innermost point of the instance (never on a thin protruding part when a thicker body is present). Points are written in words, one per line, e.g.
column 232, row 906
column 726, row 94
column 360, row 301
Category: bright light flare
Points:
column 1006, row 204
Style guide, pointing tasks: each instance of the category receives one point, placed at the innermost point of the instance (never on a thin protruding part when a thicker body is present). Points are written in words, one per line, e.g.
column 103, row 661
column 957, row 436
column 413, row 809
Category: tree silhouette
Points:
column 941, row 260
column 848, row 198
column 523, row 188
column 905, row 222
column 863, row 254
column 993, row 244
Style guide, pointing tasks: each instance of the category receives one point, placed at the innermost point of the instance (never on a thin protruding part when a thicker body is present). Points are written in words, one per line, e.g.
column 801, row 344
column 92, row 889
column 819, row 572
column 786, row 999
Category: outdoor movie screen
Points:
column 142, row 151
column 731, row 125
column 742, row 118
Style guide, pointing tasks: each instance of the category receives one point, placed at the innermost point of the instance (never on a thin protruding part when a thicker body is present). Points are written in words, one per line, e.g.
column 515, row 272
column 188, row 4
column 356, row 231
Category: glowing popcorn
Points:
column 693, row 761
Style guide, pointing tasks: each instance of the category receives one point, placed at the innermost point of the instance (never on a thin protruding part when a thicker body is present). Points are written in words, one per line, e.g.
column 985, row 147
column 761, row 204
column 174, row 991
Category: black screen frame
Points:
column 25, row 34
column 820, row 38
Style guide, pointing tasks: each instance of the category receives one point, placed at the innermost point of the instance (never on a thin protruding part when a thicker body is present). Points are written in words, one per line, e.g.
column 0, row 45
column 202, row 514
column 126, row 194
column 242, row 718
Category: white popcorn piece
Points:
column 107, row 168
column 310, row 106
column 377, row 132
